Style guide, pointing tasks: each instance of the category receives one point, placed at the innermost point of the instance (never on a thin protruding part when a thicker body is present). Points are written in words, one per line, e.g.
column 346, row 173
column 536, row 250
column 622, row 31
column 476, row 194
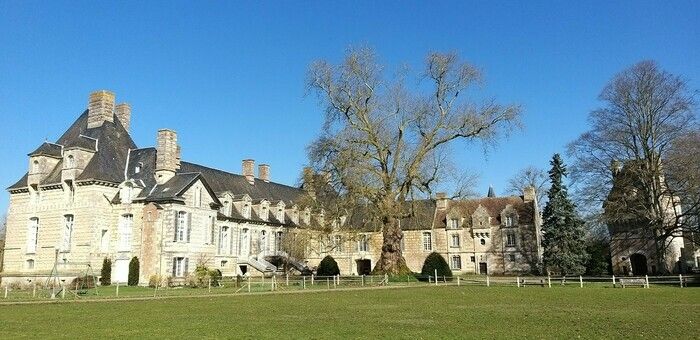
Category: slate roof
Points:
column 109, row 160
column 48, row 149
column 494, row 206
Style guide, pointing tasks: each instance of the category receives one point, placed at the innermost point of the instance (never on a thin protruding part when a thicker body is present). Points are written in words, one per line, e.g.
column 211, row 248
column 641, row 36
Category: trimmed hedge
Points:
column 133, row 271
column 328, row 267
column 106, row 272
column 435, row 261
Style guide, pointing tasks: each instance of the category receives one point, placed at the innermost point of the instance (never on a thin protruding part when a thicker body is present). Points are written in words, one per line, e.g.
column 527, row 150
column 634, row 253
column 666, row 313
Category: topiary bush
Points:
column 106, row 273
column 133, row 271
column 435, row 261
column 328, row 267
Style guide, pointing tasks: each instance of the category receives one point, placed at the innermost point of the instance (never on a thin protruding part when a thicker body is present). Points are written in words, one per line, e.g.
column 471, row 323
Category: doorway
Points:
column 483, row 268
column 364, row 267
column 639, row 264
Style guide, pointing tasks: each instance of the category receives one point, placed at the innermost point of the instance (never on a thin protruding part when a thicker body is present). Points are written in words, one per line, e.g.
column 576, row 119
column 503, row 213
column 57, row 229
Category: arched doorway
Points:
column 639, row 264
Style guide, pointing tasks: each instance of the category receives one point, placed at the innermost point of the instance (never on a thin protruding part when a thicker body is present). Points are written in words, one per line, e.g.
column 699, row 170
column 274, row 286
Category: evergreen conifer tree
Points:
column 563, row 235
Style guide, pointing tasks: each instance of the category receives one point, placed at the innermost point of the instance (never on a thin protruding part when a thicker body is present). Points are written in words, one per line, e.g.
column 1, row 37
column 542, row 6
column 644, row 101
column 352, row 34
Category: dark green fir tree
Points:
column 562, row 229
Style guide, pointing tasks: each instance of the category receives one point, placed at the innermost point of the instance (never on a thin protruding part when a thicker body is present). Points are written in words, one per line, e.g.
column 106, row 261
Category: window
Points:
column 67, row 231
column 278, row 241
column 482, row 241
column 263, row 241
column 180, row 265
column 32, row 234
column 245, row 242
column 137, row 168
column 427, row 241
column 227, row 209
column 209, row 237
column 473, row 259
column 104, row 241
column 125, row 227
column 455, row 240
column 453, row 223
column 29, row 264
column 280, row 215
column 456, row 262
column 34, row 194
column 35, row 166
column 511, row 257
column 246, row 210
column 70, row 162
column 198, row 197
column 510, row 239
column 362, row 244
column 223, row 263
column 70, row 191
column 182, row 227
column 509, row 221
column 224, row 240
column 338, row 243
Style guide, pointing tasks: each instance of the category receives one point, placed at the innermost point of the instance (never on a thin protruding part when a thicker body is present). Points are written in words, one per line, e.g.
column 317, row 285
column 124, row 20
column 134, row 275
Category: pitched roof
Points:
column 111, row 142
column 48, row 149
column 493, row 205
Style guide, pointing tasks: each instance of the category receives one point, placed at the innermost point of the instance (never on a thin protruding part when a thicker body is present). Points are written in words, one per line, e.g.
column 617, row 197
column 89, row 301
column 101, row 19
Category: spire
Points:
column 491, row 193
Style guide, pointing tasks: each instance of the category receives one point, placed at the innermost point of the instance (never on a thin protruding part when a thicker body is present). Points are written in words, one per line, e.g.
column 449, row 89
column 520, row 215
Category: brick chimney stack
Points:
column 123, row 113
column 264, row 172
column 167, row 157
column 249, row 170
column 100, row 108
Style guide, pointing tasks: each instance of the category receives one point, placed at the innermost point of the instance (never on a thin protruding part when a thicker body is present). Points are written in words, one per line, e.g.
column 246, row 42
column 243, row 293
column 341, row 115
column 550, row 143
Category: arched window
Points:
column 70, row 162
column 246, row 210
column 198, row 197
column 224, row 240
column 244, row 247
column 263, row 241
column 482, row 241
column 35, row 166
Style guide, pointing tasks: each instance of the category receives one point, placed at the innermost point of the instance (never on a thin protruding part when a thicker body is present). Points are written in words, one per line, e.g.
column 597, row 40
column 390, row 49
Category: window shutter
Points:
column 213, row 229
column 174, row 266
column 176, row 227
column 189, row 227
column 187, row 264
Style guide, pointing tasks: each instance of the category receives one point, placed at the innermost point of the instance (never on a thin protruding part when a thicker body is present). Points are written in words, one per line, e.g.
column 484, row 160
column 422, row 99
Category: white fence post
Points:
column 488, row 282
column 680, row 279
column 517, row 281
column 457, row 280
column 304, row 283
column 614, row 284
column 580, row 280
column 436, row 277
column 248, row 284
column 117, row 292
column 312, row 279
column 549, row 281
column 6, row 291
column 286, row 279
column 209, row 285
column 646, row 281
column 363, row 280
column 34, row 290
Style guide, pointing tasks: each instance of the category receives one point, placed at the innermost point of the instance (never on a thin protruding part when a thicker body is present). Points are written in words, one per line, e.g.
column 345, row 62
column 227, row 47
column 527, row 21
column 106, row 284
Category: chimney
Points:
column 100, row 108
column 249, row 170
column 167, row 155
column 123, row 113
column 264, row 172
column 441, row 200
column 529, row 194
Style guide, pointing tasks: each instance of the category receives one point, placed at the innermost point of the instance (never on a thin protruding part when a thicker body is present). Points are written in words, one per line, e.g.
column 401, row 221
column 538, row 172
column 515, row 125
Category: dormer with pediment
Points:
column 306, row 216
column 279, row 211
column 481, row 219
column 293, row 212
column 453, row 219
column 42, row 162
column 262, row 209
column 509, row 216
column 128, row 191
column 76, row 157
column 227, row 204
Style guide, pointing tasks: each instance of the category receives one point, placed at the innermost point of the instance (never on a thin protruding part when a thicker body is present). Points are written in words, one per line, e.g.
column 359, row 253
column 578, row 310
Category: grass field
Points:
column 420, row 312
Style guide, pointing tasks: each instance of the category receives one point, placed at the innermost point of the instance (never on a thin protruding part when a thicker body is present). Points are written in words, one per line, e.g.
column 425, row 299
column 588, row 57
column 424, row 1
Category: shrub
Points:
column 161, row 281
column 106, row 273
column 328, row 267
column 133, row 271
column 216, row 276
column 435, row 261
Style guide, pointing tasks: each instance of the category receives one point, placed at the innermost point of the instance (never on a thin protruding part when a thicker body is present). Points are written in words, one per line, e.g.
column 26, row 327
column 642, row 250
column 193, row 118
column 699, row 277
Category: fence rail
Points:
column 36, row 291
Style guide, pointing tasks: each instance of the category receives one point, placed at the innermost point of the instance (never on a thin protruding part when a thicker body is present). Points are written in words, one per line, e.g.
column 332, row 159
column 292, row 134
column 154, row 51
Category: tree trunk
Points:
column 391, row 260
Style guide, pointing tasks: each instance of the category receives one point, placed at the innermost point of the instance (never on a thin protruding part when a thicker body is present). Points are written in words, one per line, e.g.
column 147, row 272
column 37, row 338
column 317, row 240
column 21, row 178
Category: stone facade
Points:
column 94, row 194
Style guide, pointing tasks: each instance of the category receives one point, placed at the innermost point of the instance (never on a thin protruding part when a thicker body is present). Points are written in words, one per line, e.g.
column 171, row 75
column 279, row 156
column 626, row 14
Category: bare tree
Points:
column 529, row 177
column 646, row 110
column 383, row 145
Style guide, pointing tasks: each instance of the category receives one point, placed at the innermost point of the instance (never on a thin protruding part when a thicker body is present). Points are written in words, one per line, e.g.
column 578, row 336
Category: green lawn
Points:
column 420, row 312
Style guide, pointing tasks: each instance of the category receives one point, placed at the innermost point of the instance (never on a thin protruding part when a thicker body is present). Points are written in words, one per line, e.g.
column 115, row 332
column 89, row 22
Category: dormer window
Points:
column 227, row 208
column 509, row 221
column 453, row 223
column 70, row 162
column 137, row 168
column 280, row 215
column 246, row 210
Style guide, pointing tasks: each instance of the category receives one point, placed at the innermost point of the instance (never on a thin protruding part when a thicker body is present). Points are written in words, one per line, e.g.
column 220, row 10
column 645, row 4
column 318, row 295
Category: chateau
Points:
column 94, row 194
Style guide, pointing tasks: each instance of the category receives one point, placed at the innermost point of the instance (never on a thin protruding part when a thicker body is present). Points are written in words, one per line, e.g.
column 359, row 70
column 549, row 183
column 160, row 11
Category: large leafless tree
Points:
column 383, row 145
column 646, row 111
column 530, row 176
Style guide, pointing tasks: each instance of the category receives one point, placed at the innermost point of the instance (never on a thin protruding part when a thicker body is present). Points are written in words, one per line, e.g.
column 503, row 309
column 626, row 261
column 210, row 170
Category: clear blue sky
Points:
column 229, row 76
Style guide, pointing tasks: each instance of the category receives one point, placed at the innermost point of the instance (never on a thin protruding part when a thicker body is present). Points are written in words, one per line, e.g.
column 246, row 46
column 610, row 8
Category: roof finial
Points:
column 491, row 192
